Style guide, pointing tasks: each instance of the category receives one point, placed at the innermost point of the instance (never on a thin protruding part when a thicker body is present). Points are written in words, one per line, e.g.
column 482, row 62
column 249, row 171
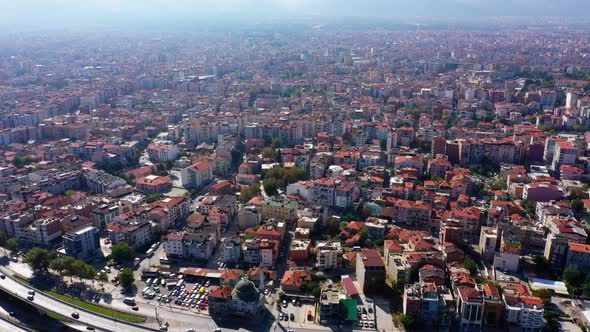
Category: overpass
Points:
column 50, row 304
column 9, row 326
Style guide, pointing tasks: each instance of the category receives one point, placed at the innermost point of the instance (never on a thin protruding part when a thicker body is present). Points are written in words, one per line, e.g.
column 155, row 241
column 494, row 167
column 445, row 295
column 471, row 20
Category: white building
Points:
column 526, row 311
column 231, row 251
column 565, row 154
column 82, row 243
column 328, row 254
column 301, row 189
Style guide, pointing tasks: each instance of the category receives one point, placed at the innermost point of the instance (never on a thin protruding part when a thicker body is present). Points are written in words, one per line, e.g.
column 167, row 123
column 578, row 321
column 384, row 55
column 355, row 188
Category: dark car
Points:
column 292, row 317
column 75, row 315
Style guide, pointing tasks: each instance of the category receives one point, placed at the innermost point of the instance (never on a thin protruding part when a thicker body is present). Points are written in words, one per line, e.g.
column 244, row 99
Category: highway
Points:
column 8, row 326
column 50, row 304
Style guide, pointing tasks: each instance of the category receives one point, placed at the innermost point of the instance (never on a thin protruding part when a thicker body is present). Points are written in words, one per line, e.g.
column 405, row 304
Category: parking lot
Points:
column 366, row 314
column 296, row 311
column 171, row 290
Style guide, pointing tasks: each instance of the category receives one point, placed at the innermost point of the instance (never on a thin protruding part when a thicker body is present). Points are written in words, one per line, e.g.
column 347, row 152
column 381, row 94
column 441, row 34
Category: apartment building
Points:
column 82, row 243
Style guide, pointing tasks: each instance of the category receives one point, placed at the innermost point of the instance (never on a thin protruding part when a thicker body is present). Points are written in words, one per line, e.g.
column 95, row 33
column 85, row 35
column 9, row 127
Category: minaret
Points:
column 261, row 277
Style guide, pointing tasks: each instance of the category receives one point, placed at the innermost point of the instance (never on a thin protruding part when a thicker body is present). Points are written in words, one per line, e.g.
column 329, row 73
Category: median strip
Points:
column 135, row 319
column 131, row 318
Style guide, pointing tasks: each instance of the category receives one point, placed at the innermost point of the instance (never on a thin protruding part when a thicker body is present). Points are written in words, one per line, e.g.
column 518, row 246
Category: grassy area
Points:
column 22, row 279
column 86, row 305
column 56, row 317
column 98, row 309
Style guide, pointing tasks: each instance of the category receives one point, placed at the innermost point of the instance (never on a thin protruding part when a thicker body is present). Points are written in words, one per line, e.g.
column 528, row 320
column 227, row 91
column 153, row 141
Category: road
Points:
column 50, row 304
column 8, row 326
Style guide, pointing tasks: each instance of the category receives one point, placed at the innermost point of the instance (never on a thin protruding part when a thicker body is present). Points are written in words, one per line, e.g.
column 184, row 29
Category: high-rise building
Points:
column 82, row 243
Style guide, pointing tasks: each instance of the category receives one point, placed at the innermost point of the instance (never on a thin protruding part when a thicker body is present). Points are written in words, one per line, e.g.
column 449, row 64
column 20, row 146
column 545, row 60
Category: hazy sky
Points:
column 62, row 13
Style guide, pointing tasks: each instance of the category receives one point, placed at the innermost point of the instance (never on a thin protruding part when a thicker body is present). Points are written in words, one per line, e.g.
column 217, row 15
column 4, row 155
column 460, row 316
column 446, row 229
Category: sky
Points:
column 64, row 13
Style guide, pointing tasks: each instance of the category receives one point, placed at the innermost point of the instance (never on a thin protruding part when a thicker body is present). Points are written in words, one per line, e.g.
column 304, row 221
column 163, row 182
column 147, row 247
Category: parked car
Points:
column 292, row 317
column 135, row 308
column 2, row 276
column 309, row 315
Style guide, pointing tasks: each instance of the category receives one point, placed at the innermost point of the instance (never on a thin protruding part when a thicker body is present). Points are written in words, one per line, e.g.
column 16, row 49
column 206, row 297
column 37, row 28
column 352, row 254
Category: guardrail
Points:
column 71, row 305
column 18, row 326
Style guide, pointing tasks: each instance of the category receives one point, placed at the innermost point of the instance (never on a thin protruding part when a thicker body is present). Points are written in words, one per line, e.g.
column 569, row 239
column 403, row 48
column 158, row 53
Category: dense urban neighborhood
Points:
column 297, row 179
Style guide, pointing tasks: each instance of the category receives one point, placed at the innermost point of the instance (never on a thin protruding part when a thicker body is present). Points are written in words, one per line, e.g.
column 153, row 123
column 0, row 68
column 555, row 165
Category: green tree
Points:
column 276, row 143
column 249, row 192
column 499, row 185
column 553, row 324
column 316, row 292
column 39, row 259
column 154, row 197
column 529, row 206
column 577, row 205
column 58, row 266
column 407, row 321
column 89, row 273
column 544, row 294
column 282, row 296
column 122, row 252
column 126, row 278
column 270, row 187
column 541, row 264
column 363, row 236
column 333, row 227
column 69, row 266
column 11, row 244
column 470, row 265
column 573, row 280
column 3, row 239
column 236, row 158
column 283, row 176
column 268, row 152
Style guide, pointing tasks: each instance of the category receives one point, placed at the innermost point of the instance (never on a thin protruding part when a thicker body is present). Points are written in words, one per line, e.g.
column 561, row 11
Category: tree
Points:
column 102, row 277
column 541, row 263
column 58, row 266
column 283, row 176
column 282, row 296
column 470, row 265
column 69, row 266
column 236, row 158
column 126, row 278
column 577, row 205
column 39, row 259
column 407, row 321
column 573, row 280
column 333, row 227
column 270, row 187
column 89, row 272
column 363, row 236
column 276, row 143
column 544, row 294
column 3, row 239
column 247, row 193
column 499, row 185
column 316, row 292
column 11, row 244
column 122, row 252
column 268, row 152
column 529, row 206
column 154, row 197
